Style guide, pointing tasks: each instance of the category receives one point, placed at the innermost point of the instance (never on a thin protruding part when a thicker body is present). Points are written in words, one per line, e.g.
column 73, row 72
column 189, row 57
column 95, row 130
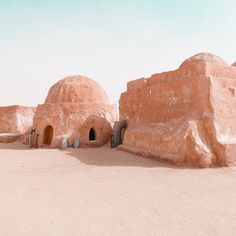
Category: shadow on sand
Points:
column 105, row 156
column 13, row 146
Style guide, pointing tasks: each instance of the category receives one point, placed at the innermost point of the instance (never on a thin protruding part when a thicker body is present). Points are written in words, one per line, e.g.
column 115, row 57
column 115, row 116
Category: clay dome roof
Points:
column 205, row 57
column 76, row 89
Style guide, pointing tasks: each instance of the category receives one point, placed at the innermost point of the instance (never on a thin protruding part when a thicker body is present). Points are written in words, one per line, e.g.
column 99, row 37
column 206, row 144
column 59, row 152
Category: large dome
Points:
column 205, row 57
column 76, row 89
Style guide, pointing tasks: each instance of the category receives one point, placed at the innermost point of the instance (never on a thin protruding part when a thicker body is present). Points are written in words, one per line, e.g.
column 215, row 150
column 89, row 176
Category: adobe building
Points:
column 75, row 108
column 14, row 122
column 186, row 116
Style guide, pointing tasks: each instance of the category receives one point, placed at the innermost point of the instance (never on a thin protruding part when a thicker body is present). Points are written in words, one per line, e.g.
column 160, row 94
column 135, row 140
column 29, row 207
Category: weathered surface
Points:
column 9, row 137
column 14, row 121
column 76, row 89
column 73, row 106
column 184, row 116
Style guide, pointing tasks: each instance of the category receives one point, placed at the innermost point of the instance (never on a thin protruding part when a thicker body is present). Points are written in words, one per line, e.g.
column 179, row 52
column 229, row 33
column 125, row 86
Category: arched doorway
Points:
column 92, row 134
column 48, row 135
column 118, row 133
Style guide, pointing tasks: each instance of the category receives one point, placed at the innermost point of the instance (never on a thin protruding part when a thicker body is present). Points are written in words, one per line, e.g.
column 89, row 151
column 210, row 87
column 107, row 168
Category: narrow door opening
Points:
column 122, row 134
column 92, row 134
column 48, row 135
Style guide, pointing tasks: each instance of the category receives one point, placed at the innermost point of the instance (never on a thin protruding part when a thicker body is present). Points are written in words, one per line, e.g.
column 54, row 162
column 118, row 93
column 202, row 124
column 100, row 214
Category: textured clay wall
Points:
column 178, row 115
column 16, row 119
column 73, row 120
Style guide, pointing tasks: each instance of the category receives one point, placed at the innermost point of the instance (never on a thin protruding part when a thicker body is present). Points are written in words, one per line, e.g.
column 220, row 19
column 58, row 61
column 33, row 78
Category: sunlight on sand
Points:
column 102, row 191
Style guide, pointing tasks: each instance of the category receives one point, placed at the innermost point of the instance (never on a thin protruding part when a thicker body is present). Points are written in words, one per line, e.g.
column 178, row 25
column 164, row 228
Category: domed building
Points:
column 76, row 108
column 205, row 58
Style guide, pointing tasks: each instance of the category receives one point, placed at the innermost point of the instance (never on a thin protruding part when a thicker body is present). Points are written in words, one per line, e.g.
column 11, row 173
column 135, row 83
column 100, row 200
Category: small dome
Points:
column 205, row 57
column 76, row 89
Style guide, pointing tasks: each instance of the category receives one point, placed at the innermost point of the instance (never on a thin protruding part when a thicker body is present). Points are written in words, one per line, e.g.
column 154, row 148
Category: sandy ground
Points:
column 108, row 192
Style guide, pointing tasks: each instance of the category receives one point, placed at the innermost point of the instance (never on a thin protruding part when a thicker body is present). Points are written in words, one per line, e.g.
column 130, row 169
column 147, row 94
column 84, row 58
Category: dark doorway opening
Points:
column 48, row 135
column 119, row 130
column 122, row 134
column 92, row 134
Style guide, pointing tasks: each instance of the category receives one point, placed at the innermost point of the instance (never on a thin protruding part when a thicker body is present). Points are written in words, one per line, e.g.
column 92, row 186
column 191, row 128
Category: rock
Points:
column 186, row 116
column 73, row 107
column 9, row 137
column 15, row 121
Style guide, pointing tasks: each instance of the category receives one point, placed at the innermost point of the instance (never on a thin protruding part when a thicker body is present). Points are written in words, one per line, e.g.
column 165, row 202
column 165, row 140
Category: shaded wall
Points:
column 16, row 119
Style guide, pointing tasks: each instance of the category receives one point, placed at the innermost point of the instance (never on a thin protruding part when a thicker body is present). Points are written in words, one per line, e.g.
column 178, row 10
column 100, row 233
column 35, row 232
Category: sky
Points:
column 112, row 42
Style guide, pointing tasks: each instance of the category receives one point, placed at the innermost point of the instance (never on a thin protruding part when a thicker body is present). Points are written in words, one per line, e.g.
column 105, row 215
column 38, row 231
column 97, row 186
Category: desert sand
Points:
column 106, row 192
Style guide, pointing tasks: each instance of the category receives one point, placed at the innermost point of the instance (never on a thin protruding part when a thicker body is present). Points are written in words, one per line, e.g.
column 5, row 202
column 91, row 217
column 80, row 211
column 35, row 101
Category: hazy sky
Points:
column 112, row 42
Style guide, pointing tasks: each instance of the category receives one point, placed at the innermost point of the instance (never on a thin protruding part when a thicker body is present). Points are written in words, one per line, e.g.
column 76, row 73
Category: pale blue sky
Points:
column 110, row 41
